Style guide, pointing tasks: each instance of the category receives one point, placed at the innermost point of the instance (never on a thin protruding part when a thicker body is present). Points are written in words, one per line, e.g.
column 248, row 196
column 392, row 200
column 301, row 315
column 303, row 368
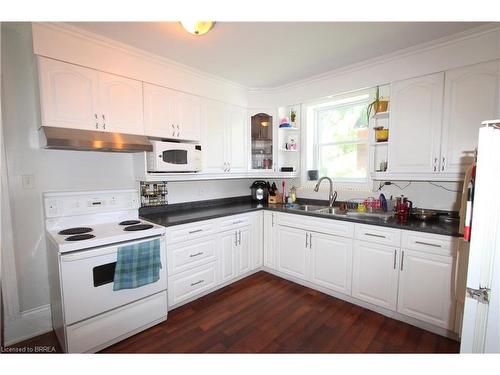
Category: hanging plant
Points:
column 378, row 105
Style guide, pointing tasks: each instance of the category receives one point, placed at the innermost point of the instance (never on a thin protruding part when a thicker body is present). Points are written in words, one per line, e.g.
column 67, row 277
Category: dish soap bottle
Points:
column 293, row 194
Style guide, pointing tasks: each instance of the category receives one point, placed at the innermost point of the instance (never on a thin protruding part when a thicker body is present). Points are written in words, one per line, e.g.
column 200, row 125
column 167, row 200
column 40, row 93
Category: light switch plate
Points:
column 28, row 181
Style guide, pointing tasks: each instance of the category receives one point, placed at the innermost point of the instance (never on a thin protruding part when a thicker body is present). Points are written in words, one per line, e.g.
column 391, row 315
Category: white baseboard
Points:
column 28, row 324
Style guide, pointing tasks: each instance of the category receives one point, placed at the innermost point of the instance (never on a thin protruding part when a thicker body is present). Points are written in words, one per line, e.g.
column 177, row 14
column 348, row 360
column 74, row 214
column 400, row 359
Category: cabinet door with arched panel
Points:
column 262, row 140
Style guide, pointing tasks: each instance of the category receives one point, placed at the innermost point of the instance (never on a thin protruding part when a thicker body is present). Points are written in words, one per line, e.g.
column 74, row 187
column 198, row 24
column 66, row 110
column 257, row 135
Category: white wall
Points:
column 190, row 191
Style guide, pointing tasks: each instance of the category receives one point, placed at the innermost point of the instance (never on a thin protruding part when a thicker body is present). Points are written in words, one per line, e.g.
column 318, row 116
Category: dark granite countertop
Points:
column 176, row 214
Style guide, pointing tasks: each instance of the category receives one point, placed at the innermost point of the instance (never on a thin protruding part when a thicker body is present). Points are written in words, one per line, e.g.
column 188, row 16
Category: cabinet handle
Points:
column 178, row 134
column 239, row 234
column 103, row 122
column 237, row 221
column 225, row 166
column 198, row 282
column 307, row 245
column 96, row 121
column 310, row 240
column 428, row 244
column 435, row 164
column 402, row 259
column 235, row 238
column 272, row 219
column 173, row 126
column 177, row 127
column 195, row 231
column 443, row 163
column 374, row 235
column 229, row 166
column 395, row 252
column 195, row 255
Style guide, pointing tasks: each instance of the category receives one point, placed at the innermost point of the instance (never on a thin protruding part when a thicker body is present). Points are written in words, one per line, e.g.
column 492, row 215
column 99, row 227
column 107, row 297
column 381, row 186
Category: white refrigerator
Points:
column 481, row 319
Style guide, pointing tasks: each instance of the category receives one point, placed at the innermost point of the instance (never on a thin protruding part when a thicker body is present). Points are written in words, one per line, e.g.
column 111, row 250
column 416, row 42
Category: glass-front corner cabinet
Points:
column 262, row 141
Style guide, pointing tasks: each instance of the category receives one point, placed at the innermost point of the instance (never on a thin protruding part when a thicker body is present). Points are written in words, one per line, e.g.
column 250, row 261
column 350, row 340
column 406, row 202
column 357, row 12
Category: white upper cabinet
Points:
column 121, row 104
column 471, row 96
column 171, row 114
column 214, row 139
column 188, row 109
column 159, row 112
column 237, row 140
column 80, row 98
column 415, row 123
column 224, row 138
column 69, row 95
column 426, row 289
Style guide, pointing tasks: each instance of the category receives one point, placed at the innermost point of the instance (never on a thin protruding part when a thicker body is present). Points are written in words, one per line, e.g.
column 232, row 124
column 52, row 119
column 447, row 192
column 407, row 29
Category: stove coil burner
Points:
column 80, row 237
column 77, row 230
column 138, row 227
column 129, row 222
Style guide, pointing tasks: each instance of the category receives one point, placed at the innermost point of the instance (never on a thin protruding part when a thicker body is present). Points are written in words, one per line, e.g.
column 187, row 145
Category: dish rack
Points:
column 369, row 205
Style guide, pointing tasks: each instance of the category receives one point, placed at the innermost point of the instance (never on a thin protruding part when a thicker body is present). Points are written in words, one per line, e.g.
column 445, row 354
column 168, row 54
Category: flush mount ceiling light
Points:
column 197, row 27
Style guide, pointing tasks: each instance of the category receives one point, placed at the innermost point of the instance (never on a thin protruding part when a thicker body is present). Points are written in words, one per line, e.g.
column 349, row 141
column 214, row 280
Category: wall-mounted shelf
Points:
column 385, row 143
column 379, row 115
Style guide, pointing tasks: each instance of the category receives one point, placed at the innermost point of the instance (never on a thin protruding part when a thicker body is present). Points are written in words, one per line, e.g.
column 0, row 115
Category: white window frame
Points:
column 312, row 111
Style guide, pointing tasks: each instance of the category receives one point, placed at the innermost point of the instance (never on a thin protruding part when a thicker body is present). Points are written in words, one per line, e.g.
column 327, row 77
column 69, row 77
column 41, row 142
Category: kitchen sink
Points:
column 309, row 208
column 331, row 211
column 382, row 215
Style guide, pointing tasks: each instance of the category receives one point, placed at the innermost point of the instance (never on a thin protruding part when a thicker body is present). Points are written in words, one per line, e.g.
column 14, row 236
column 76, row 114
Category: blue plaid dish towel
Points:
column 137, row 265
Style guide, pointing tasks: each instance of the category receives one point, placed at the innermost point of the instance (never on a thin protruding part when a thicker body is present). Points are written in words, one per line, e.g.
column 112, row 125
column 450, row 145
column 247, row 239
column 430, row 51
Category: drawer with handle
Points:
column 377, row 234
column 191, row 283
column 235, row 222
column 190, row 231
column 428, row 242
column 186, row 255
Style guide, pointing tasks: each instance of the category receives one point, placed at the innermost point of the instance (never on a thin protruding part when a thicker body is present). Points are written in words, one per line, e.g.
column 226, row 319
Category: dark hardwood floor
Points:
column 266, row 314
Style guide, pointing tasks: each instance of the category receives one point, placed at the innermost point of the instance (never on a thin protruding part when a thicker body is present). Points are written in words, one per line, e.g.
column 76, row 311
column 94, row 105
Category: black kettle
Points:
column 259, row 191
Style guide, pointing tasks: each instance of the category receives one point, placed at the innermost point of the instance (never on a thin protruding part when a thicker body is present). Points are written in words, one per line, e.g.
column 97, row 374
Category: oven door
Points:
column 87, row 281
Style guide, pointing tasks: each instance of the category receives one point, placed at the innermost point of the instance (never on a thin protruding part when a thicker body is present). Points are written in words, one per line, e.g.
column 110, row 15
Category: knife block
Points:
column 273, row 199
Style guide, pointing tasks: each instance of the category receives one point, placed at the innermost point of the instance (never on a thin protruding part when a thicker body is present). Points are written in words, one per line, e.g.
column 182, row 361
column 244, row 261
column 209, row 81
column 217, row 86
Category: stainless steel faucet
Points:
column 332, row 196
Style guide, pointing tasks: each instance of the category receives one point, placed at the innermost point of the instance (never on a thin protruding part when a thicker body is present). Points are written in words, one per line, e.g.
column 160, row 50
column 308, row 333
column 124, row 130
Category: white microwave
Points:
column 174, row 157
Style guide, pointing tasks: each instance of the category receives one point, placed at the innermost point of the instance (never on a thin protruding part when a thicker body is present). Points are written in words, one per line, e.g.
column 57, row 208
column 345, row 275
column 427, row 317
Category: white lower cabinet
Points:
column 375, row 274
column 228, row 243
column 188, row 284
column 292, row 247
column 321, row 259
column 331, row 262
column 243, row 250
column 206, row 254
column 408, row 272
column 268, row 243
column 425, row 288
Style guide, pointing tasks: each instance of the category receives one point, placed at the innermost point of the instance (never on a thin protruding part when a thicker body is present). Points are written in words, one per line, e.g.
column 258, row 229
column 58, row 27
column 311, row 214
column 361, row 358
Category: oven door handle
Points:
column 110, row 249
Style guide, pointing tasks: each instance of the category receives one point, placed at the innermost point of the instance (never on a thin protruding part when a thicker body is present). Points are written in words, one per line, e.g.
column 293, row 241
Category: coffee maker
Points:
column 259, row 191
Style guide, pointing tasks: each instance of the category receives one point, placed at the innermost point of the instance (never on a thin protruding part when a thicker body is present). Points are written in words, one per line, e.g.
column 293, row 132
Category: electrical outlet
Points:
column 28, row 181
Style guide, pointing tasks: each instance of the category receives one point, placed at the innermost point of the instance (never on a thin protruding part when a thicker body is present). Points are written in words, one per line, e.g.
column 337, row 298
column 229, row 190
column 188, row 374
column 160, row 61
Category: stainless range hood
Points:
column 89, row 140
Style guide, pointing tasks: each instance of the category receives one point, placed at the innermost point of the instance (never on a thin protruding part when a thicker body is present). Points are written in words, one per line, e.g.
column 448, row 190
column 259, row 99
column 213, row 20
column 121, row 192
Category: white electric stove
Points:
column 85, row 230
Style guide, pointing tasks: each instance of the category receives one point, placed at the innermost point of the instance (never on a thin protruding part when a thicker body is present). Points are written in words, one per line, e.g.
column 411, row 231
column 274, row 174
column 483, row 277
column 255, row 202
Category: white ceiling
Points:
column 269, row 54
